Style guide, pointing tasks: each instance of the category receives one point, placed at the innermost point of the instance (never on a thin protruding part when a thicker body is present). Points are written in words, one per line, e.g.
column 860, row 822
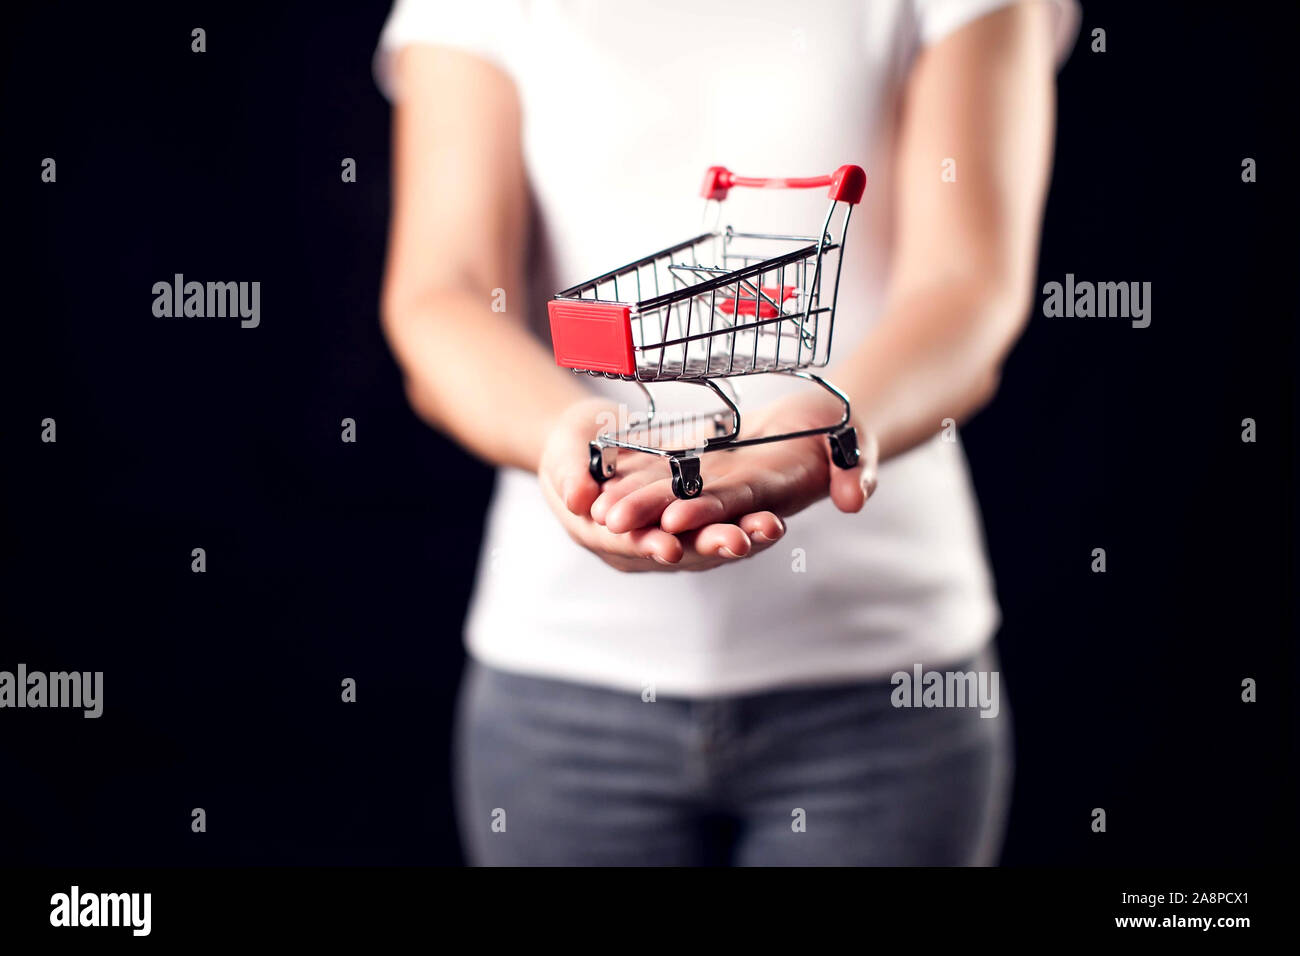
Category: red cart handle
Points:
column 846, row 184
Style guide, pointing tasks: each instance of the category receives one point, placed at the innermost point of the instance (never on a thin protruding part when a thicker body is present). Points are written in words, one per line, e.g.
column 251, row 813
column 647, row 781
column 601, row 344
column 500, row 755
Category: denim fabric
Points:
column 557, row 773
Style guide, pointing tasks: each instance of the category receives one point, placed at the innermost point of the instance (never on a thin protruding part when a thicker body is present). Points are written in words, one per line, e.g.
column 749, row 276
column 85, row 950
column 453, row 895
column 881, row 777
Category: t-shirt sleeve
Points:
column 938, row 18
column 480, row 27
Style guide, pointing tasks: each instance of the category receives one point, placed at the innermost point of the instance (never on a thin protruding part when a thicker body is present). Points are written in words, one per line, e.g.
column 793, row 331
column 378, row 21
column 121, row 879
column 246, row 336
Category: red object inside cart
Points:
column 766, row 309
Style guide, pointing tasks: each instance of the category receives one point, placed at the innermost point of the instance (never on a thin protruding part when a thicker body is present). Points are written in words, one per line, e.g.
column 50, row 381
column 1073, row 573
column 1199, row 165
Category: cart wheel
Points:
column 844, row 446
column 687, row 482
column 601, row 464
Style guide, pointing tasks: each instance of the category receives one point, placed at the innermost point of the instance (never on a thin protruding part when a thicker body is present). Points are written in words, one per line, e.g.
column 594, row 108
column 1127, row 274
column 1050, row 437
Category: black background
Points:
column 329, row 560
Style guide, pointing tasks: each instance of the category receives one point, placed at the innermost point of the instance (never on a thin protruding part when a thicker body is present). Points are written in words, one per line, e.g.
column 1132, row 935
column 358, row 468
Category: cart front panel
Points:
column 592, row 336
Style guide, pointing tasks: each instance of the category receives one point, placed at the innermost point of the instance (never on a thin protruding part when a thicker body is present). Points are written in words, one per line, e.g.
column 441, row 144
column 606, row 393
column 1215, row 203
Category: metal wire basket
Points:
column 718, row 305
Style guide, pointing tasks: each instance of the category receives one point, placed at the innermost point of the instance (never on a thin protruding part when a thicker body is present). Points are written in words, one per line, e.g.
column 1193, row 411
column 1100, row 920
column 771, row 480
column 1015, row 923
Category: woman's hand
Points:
column 570, row 491
column 778, row 478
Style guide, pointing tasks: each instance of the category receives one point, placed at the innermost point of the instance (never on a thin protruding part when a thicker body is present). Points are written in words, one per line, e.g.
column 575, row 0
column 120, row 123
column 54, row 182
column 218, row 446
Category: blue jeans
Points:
column 555, row 773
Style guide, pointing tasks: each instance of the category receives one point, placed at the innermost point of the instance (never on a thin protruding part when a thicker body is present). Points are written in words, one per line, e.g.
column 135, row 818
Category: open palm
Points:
column 781, row 477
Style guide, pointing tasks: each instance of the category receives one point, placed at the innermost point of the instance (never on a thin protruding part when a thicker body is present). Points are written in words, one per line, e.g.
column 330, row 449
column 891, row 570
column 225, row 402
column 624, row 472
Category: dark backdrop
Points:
column 329, row 560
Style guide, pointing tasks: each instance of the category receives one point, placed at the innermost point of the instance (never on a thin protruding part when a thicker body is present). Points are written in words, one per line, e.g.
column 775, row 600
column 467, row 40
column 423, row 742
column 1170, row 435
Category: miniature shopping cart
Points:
column 716, row 306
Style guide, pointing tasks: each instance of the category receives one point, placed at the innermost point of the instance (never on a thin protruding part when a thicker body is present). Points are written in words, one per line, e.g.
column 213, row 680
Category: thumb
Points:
column 578, row 488
column 569, row 460
column 851, row 487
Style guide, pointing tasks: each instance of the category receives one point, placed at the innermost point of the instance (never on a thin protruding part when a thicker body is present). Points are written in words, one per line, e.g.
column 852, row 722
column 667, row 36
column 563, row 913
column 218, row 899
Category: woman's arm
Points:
column 960, row 289
column 459, row 232
column 966, row 251
column 459, row 229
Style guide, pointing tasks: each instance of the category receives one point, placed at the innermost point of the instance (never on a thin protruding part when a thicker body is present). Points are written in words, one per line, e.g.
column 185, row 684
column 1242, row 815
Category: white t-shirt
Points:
column 625, row 105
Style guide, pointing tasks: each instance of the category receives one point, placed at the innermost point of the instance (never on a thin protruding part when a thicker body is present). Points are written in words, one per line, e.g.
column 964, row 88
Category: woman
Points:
column 743, row 714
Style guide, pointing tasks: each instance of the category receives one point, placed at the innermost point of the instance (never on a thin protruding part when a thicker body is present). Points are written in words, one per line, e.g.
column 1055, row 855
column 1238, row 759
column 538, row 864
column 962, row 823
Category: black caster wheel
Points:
column 601, row 464
column 687, row 482
column 844, row 446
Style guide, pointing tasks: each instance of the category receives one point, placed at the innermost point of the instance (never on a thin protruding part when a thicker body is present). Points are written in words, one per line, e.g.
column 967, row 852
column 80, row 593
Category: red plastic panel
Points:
column 592, row 336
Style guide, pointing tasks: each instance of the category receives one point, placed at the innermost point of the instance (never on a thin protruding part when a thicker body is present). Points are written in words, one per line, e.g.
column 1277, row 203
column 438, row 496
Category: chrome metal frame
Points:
column 689, row 308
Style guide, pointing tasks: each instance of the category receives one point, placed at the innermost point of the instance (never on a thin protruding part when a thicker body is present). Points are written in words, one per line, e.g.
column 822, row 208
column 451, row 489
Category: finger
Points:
column 572, row 481
column 870, row 465
column 719, row 540
column 651, row 543
column 849, row 489
column 571, row 475
column 723, row 500
column 763, row 527
column 618, row 488
column 657, row 545
column 579, row 491
column 852, row 487
column 719, row 544
column 641, row 507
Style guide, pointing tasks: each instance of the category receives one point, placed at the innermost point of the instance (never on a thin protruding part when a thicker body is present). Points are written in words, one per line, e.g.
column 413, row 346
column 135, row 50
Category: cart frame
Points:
column 747, row 304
